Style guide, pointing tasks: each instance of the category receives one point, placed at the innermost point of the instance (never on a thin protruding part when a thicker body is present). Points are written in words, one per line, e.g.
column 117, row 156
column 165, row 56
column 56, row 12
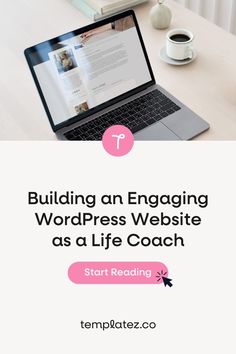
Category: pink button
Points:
column 118, row 140
column 117, row 272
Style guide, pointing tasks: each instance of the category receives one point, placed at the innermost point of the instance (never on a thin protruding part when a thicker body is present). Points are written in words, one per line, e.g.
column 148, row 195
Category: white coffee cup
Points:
column 179, row 44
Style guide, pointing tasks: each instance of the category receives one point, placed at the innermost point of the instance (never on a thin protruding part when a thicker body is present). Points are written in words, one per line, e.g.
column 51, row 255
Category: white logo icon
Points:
column 118, row 137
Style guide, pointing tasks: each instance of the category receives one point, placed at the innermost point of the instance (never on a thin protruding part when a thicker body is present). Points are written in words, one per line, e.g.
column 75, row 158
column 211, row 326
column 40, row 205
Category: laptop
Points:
column 100, row 75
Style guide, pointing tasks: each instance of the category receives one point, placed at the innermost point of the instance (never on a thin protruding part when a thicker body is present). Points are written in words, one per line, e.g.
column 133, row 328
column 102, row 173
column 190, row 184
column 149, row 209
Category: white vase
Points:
column 160, row 16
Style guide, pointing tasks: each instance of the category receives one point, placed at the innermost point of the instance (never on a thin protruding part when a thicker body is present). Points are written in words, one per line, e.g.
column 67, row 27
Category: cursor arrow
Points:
column 167, row 281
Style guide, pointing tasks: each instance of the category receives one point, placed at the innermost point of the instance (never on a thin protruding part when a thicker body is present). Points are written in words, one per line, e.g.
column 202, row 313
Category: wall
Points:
column 221, row 12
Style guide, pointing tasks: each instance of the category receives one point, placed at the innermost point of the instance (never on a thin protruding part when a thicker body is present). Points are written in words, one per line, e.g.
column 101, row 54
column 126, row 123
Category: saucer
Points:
column 170, row 61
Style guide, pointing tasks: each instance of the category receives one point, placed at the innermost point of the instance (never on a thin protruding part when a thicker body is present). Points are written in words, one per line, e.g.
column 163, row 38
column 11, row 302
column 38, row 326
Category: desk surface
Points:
column 207, row 86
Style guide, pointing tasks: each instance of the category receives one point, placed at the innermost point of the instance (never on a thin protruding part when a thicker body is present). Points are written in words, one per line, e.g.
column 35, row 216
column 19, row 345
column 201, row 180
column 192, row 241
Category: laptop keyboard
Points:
column 136, row 115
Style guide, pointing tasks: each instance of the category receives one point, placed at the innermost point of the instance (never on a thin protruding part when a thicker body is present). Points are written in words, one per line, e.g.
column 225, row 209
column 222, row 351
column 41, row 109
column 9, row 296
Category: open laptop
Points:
column 100, row 75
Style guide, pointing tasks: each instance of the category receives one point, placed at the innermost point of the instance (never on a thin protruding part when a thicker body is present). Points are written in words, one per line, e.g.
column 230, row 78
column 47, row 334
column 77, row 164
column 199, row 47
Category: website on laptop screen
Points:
column 87, row 70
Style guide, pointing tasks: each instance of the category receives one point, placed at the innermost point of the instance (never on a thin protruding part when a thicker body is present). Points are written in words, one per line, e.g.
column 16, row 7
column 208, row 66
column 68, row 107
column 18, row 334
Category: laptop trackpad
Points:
column 185, row 124
column 154, row 132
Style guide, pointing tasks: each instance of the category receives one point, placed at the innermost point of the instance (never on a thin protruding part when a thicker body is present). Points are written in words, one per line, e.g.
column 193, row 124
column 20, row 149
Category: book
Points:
column 90, row 12
column 87, row 10
column 106, row 6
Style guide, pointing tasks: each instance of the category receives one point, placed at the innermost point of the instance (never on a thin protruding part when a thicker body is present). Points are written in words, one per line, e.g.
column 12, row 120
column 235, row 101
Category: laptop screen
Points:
column 80, row 72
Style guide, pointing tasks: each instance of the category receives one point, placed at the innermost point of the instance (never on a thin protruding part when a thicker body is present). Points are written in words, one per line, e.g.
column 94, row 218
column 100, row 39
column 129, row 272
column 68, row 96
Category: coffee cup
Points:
column 179, row 44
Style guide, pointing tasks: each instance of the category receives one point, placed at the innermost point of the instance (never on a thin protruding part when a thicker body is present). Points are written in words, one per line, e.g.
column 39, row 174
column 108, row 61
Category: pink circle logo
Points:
column 118, row 140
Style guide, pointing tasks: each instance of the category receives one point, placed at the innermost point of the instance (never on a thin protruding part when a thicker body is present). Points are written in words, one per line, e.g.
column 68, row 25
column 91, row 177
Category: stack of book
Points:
column 97, row 9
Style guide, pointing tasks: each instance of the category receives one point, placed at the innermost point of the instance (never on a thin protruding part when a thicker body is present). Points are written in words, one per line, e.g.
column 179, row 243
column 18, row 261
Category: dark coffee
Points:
column 180, row 38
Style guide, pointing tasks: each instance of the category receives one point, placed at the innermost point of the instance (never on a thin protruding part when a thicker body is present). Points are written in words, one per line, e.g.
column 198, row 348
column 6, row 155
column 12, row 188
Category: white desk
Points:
column 208, row 86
